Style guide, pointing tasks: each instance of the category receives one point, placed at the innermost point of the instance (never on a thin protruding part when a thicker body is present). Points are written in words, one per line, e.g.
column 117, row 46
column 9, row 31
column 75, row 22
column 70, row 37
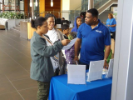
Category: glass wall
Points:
column 21, row 5
column 9, row 5
column 36, row 8
column 84, row 5
column 99, row 3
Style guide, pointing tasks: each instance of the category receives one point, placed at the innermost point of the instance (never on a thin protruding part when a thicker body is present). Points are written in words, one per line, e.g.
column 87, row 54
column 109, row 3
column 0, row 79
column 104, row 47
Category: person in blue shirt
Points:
column 93, row 38
column 111, row 24
column 77, row 23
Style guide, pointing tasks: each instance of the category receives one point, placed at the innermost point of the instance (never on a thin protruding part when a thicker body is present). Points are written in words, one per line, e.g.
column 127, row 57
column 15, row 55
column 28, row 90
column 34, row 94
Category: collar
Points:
column 99, row 23
column 37, row 35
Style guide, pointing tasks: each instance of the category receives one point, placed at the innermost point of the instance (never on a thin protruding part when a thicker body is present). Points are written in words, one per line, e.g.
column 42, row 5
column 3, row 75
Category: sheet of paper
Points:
column 110, row 69
column 76, row 74
column 95, row 70
column 70, row 44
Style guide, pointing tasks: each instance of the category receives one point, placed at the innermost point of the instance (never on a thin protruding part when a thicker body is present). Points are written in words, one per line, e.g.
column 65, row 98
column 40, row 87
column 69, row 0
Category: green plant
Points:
column 11, row 15
column 20, row 16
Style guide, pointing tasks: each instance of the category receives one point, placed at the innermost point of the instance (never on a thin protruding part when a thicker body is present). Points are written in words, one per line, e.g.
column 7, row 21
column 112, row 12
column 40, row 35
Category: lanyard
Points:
column 49, row 42
column 47, row 39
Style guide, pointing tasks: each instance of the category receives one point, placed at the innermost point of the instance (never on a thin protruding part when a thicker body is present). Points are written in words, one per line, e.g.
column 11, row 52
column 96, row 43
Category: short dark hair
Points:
column 37, row 22
column 94, row 12
column 51, row 15
column 83, row 14
column 65, row 26
column 63, row 18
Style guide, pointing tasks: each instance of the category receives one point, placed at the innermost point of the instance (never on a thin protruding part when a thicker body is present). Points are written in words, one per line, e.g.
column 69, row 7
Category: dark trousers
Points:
column 43, row 90
column 113, row 35
column 56, row 73
column 87, row 66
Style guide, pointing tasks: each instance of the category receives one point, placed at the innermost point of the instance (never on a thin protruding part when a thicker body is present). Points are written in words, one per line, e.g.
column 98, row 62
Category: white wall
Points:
column 65, row 9
column 74, row 4
column 65, row 4
column 68, row 5
column 0, row 1
column 71, row 4
column 21, row 5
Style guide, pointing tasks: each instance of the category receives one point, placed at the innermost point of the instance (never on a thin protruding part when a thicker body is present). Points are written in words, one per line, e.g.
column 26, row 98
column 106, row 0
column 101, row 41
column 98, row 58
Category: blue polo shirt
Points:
column 111, row 22
column 93, row 42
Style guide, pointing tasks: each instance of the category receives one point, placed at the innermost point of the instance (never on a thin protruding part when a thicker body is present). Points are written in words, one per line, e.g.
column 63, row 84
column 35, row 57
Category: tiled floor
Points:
column 15, row 82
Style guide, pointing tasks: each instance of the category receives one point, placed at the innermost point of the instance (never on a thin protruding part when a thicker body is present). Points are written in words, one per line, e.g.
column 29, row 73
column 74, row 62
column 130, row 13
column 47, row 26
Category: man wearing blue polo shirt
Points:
column 93, row 38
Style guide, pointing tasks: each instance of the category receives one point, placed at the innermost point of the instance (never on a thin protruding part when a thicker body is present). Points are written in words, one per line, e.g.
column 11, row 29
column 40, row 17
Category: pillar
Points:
column 123, row 59
column 32, row 9
column 90, row 4
column 42, row 7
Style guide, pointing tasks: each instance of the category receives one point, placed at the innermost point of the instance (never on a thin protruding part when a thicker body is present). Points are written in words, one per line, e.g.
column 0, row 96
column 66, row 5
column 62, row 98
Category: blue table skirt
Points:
column 96, row 90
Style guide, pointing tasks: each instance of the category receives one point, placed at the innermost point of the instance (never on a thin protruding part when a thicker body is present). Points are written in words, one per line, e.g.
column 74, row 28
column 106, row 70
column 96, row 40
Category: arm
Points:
column 107, row 51
column 77, row 47
column 44, row 50
column 78, row 43
column 112, row 25
column 106, row 54
column 107, row 43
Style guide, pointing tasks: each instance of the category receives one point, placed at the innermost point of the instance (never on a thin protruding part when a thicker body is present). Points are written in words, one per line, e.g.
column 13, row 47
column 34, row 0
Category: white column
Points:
column 122, row 87
column 90, row 4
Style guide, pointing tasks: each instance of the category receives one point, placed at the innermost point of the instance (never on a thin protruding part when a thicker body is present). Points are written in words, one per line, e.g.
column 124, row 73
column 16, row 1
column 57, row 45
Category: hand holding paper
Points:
column 70, row 44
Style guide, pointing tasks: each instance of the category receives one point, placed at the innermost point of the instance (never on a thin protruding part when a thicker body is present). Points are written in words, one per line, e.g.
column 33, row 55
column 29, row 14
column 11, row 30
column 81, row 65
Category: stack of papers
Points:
column 110, row 69
column 95, row 70
column 76, row 74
